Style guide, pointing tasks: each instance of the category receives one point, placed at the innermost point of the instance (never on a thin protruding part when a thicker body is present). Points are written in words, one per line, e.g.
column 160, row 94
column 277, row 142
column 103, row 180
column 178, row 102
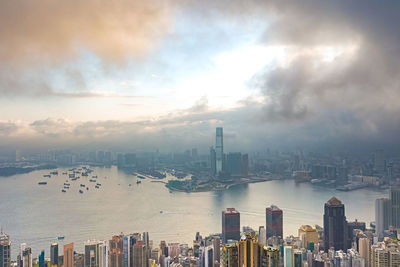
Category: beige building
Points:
column 308, row 234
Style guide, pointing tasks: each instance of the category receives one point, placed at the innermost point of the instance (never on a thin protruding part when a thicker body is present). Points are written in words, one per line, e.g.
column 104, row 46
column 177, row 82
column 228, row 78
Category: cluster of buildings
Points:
column 339, row 243
column 222, row 165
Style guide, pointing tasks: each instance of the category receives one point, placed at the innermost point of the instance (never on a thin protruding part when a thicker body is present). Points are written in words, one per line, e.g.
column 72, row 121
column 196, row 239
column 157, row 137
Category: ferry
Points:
column 42, row 183
column 138, row 182
column 80, row 191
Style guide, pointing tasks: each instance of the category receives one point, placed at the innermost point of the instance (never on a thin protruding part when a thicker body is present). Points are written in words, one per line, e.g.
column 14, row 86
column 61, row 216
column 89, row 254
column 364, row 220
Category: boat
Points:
column 87, row 188
column 47, row 175
column 97, row 186
column 91, row 180
column 67, row 184
column 54, row 172
column 63, row 190
column 60, row 237
column 80, row 191
column 161, row 211
column 129, row 184
column 82, row 185
column 141, row 177
column 64, row 173
column 84, row 174
column 42, row 183
column 66, row 187
column 138, row 182
column 94, row 176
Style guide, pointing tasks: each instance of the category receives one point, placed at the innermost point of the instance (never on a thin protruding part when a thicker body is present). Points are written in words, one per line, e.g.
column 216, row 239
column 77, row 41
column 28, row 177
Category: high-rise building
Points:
column 298, row 258
column 308, row 234
column 262, row 235
column 382, row 216
column 116, row 253
column 127, row 250
column 69, row 255
column 288, row 256
column 219, row 149
column 379, row 162
column 395, row 205
column 234, row 164
column 335, row 225
column 245, row 165
column 54, row 254
column 249, row 251
column 217, row 250
column 5, row 250
column 273, row 221
column 364, row 248
column 96, row 254
column 41, row 261
column 230, row 255
column 269, row 256
column 213, row 159
column 139, row 254
column 26, row 256
column 230, row 225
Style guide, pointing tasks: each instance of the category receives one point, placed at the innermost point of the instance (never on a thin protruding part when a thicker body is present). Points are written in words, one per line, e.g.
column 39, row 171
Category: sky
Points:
column 163, row 74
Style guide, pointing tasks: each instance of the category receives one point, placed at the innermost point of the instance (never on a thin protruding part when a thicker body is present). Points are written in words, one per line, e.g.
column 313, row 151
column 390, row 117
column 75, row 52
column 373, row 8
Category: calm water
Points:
column 38, row 214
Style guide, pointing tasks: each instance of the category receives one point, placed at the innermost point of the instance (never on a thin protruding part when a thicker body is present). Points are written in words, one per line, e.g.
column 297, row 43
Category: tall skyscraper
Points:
column 139, row 254
column 5, row 250
column 96, row 254
column 116, row 251
column 213, row 159
column 234, row 163
column 273, row 221
column 69, row 255
column 382, row 216
column 395, row 205
column 217, row 250
column 335, row 225
column 230, row 255
column 127, row 250
column 41, row 259
column 287, row 256
column 54, row 254
column 219, row 150
column 249, row 251
column 230, row 225
column 26, row 256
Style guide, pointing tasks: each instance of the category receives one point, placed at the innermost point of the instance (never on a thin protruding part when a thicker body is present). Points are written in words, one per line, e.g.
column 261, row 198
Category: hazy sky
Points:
column 163, row 74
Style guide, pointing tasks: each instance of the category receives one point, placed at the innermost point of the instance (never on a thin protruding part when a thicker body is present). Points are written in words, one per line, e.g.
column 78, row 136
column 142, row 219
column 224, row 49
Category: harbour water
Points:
column 38, row 214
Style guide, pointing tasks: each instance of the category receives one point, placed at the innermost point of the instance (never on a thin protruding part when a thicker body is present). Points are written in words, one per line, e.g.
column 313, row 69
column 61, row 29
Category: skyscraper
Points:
column 382, row 216
column 213, row 162
column 54, row 254
column 69, row 255
column 335, row 225
column 127, row 250
column 96, row 254
column 139, row 254
column 219, row 150
column 26, row 255
column 395, row 205
column 269, row 256
column 273, row 221
column 234, row 163
column 41, row 259
column 230, row 225
column 230, row 255
column 116, row 251
column 5, row 250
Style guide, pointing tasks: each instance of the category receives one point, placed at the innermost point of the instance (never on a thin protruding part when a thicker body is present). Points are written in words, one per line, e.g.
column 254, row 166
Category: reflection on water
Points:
column 38, row 214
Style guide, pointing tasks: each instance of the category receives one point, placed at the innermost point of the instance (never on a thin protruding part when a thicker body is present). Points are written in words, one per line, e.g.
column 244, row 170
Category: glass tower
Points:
column 219, row 150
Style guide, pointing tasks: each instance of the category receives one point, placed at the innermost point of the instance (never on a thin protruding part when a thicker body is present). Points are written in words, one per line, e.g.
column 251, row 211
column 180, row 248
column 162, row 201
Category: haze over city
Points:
column 164, row 74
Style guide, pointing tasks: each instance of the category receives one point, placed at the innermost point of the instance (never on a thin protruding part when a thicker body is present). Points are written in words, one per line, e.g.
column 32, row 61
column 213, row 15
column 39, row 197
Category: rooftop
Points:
column 334, row 202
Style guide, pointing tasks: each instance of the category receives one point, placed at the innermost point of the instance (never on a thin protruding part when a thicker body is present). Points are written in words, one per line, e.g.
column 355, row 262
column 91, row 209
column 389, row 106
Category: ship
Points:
column 138, row 182
column 42, row 183
column 141, row 177
column 80, row 191
column 82, row 185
